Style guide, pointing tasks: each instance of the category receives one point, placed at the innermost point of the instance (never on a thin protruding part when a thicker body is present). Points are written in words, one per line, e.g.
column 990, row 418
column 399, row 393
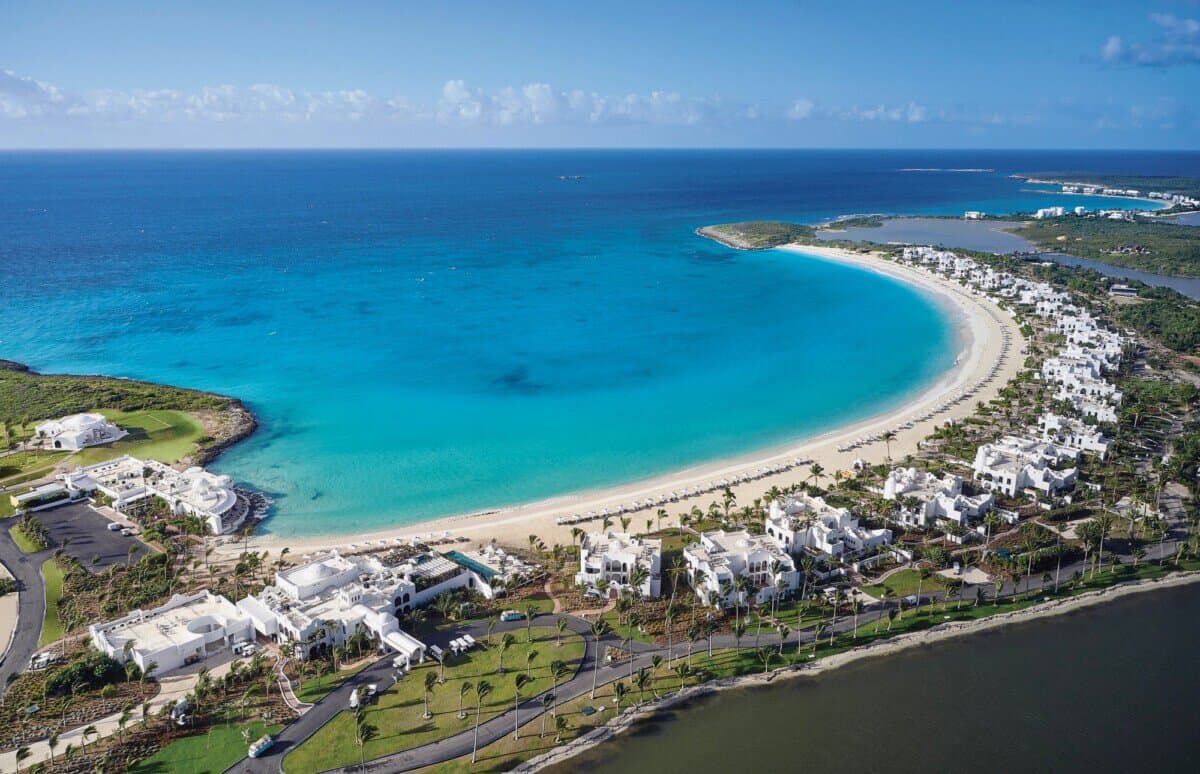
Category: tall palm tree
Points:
column 599, row 629
column 558, row 670
column 562, row 627
column 506, row 642
column 463, row 689
column 888, row 437
column 431, row 682
column 363, row 733
column 739, row 631
column 519, row 682
column 530, row 611
column 641, row 681
column 482, row 691
column 530, row 655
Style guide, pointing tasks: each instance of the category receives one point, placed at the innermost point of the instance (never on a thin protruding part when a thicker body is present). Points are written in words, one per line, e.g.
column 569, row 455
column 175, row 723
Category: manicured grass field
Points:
column 162, row 435
column 14, row 467
column 23, row 541
column 905, row 583
column 51, row 627
column 209, row 753
column 398, row 712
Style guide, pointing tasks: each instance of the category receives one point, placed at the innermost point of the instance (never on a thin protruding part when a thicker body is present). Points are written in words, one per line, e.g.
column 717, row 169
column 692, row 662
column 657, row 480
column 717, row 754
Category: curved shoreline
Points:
column 988, row 338
column 631, row 717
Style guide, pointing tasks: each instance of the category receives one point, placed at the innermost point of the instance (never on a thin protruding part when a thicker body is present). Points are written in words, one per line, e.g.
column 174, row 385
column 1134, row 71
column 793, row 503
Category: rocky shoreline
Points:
column 633, row 716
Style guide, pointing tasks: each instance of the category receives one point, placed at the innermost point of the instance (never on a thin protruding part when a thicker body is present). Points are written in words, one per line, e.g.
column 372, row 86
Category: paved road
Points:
column 26, row 570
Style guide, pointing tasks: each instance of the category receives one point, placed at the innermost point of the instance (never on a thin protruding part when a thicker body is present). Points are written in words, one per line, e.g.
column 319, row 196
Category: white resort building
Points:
column 77, row 431
column 1073, row 434
column 936, row 498
column 613, row 557
column 1014, row 464
column 185, row 630
column 196, row 492
column 323, row 603
column 715, row 563
column 800, row 523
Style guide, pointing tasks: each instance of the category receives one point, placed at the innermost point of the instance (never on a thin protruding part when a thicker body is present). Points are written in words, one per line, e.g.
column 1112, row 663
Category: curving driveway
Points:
column 31, row 604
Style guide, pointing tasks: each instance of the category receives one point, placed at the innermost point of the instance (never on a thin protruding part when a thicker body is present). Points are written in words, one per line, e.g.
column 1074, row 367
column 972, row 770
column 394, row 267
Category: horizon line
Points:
column 348, row 148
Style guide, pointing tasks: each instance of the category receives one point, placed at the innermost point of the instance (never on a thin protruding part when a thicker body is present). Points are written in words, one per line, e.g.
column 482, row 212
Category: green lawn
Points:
column 904, row 583
column 52, row 629
column 398, row 712
column 23, row 541
column 6, row 506
column 209, row 753
column 315, row 688
column 16, row 466
column 163, row 435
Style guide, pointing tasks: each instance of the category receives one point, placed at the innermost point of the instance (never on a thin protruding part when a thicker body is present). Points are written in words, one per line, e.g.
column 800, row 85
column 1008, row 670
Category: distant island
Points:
column 757, row 234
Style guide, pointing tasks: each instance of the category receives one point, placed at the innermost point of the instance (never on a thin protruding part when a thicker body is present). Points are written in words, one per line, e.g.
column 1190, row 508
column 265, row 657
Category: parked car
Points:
column 114, row 527
column 261, row 746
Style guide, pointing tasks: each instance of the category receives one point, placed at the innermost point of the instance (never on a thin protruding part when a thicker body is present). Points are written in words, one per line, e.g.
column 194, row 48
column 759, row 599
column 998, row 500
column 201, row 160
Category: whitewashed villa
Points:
column 936, row 498
column 1014, row 464
column 720, row 558
column 800, row 523
column 77, row 431
column 613, row 557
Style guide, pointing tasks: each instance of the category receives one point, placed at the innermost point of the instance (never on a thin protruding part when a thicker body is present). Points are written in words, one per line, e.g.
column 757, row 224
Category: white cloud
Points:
column 801, row 109
column 1177, row 43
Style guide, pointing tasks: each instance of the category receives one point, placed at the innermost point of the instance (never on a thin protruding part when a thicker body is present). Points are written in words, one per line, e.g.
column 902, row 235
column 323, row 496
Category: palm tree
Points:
column 739, row 631
column 482, row 691
column 562, row 627
column 530, row 655
column 884, row 596
column 51, row 743
column 922, row 574
column 682, row 670
column 888, row 437
column 363, row 733
column 431, row 682
column 815, row 472
column 561, row 724
column 766, row 656
column 519, row 682
column 530, row 611
column 547, row 700
column 599, row 629
column 506, row 641
column 558, row 670
column 1104, row 523
column 620, row 689
column 641, row 681
column 491, row 624
column 463, row 690
column 784, row 631
column 22, row 754
column 89, row 731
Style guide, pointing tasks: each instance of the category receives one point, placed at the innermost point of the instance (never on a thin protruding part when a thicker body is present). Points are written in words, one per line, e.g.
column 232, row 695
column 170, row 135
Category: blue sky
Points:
column 846, row 74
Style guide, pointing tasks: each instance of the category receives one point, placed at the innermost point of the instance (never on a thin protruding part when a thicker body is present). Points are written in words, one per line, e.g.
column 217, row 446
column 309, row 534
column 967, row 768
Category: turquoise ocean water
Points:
column 432, row 333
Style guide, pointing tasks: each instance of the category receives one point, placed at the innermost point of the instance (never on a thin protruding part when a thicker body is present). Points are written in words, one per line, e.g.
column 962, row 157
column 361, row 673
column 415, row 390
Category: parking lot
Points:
column 90, row 540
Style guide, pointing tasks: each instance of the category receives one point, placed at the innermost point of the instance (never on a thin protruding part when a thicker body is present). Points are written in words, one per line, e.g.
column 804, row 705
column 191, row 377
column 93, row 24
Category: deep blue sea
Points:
column 429, row 333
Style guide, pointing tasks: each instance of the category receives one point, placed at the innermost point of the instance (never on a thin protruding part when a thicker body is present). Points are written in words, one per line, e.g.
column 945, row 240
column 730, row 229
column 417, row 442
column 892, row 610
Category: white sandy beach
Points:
column 987, row 334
